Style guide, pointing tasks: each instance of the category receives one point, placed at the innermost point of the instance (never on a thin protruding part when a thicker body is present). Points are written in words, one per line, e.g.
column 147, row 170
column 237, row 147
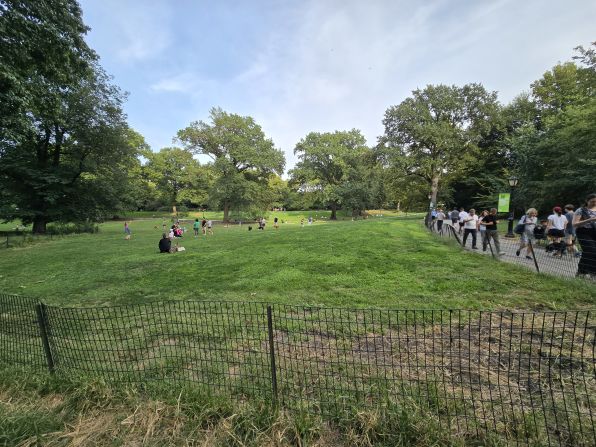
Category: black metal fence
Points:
column 522, row 377
column 545, row 255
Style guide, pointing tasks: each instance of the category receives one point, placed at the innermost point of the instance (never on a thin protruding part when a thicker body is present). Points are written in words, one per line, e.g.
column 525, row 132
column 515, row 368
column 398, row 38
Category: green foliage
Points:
column 435, row 133
column 177, row 176
column 64, row 151
column 333, row 166
column 243, row 158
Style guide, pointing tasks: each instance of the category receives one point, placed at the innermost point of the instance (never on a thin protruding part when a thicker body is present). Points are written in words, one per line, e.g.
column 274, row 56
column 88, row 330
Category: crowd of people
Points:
column 563, row 229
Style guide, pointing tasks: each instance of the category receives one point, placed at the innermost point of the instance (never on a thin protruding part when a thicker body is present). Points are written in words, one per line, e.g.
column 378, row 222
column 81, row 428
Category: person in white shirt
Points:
column 470, row 226
column 557, row 222
column 210, row 227
column 440, row 218
column 462, row 216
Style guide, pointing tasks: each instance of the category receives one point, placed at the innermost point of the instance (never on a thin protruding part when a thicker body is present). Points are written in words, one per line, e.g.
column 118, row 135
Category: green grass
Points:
column 59, row 412
column 381, row 262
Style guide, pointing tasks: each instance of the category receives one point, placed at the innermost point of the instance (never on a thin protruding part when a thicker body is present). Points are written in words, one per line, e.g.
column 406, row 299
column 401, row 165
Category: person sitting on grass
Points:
column 165, row 244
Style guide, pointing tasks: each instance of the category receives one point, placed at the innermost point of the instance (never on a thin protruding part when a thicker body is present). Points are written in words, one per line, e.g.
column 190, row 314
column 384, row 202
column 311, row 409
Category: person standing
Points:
column 454, row 216
column 490, row 222
column 440, row 219
column 529, row 221
column 310, row 220
column 195, row 226
column 126, row 231
column 570, row 234
column 584, row 222
column 461, row 216
column 275, row 223
column 482, row 227
column 210, row 227
column 204, row 226
column 557, row 223
column 470, row 226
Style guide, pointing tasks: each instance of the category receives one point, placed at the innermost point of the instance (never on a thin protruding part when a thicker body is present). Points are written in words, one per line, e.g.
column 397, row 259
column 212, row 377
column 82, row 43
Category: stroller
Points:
column 540, row 233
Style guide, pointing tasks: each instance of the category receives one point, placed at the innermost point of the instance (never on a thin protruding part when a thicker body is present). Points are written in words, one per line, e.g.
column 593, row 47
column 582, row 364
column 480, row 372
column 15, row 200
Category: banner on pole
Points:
column 503, row 206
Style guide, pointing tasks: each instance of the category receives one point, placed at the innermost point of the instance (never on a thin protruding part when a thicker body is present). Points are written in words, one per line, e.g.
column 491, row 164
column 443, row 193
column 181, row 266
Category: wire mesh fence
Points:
column 549, row 255
column 525, row 377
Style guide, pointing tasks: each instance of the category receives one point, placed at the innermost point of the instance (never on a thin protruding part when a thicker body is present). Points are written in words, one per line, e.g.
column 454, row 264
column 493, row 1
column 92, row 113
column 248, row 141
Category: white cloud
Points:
column 339, row 64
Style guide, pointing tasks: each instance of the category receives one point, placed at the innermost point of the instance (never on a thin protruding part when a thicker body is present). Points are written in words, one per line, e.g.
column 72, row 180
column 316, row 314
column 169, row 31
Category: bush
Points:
column 72, row 228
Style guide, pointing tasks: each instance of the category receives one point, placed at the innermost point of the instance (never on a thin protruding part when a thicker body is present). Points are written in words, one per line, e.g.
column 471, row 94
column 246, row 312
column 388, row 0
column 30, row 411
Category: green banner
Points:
column 504, row 198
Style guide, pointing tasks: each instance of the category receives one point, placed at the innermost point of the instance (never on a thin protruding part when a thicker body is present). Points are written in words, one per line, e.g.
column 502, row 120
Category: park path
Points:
column 565, row 266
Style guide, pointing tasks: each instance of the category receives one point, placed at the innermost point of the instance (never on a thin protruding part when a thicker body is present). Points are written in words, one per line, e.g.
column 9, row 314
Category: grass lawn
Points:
column 221, row 350
column 381, row 262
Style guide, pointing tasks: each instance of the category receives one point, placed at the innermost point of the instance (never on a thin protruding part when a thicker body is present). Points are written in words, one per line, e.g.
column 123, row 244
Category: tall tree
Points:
column 434, row 134
column 325, row 160
column 177, row 175
column 64, row 148
column 243, row 157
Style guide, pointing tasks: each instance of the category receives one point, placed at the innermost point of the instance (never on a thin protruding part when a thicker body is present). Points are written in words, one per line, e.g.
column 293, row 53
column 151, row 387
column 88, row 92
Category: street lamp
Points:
column 512, row 184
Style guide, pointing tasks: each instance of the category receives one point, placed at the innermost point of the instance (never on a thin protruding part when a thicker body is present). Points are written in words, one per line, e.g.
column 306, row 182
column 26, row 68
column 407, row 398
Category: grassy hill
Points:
column 382, row 262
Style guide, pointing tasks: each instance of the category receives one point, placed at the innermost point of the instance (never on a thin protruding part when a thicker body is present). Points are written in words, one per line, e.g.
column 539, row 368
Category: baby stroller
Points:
column 540, row 234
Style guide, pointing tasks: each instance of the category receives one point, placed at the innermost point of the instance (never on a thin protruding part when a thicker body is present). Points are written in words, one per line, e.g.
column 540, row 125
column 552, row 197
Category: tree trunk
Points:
column 39, row 225
column 333, row 211
column 226, row 212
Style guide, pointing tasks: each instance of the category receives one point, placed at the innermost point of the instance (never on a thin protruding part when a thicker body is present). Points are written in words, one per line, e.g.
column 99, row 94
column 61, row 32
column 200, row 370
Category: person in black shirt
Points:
column 490, row 222
column 165, row 244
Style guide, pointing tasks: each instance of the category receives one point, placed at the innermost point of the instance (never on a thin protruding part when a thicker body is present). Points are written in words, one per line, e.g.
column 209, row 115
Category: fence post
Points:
column 533, row 255
column 455, row 235
column 43, row 330
column 272, row 354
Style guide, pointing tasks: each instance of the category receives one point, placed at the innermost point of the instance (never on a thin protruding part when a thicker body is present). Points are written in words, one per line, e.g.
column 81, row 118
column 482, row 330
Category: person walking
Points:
column 210, row 227
column 570, row 234
column 529, row 221
column 204, row 226
column 584, row 222
column 126, row 231
column 490, row 222
column 462, row 215
column 440, row 218
column 454, row 216
column 470, row 226
column 275, row 223
column 557, row 223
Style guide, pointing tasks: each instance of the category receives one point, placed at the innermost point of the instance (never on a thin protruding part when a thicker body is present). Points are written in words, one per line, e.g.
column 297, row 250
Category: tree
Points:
column 434, row 134
column 177, row 176
column 64, row 150
column 325, row 161
column 243, row 157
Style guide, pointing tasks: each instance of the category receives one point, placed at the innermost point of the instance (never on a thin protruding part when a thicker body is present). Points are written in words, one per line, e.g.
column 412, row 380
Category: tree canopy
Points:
column 243, row 157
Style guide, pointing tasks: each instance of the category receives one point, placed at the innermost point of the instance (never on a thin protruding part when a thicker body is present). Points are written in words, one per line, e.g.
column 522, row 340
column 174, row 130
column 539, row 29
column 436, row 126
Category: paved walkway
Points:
column 565, row 266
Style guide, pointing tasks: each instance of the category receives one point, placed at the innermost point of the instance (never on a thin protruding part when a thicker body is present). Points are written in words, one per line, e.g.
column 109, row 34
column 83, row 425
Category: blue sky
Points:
column 320, row 65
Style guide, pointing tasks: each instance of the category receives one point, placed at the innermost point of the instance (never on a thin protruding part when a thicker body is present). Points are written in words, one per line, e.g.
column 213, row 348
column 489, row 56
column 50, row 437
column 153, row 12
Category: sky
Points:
column 298, row 66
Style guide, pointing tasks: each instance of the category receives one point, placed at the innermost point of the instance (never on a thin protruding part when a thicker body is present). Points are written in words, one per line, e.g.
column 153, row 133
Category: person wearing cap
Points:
column 557, row 223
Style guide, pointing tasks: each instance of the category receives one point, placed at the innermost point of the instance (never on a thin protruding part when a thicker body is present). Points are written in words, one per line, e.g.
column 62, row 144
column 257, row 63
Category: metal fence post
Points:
column 43, row 330
column 533, row 255
column 456, row 236
column 272, row 354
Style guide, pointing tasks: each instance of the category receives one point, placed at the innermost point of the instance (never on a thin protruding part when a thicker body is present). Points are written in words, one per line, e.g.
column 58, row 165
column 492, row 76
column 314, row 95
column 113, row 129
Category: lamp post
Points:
column 512, row 184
